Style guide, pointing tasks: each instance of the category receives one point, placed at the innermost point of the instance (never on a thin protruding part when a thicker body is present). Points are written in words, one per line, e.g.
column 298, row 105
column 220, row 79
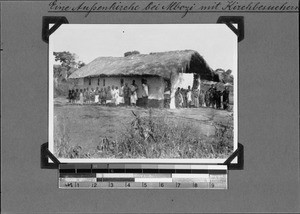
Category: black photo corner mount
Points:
column 230, row 20
column 45, row 155
column 56, row 20
column 239, row 153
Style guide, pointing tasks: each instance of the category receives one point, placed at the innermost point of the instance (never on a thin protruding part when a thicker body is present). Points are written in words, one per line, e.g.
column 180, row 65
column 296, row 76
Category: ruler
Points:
column 201, row 177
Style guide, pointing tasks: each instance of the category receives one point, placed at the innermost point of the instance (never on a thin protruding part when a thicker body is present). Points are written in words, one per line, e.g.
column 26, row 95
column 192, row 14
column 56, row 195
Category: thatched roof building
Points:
column 162, row 64
column 164, row 71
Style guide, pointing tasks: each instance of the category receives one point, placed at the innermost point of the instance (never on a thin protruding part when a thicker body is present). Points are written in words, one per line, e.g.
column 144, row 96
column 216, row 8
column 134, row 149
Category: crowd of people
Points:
column 125, row 95
column 188, row 98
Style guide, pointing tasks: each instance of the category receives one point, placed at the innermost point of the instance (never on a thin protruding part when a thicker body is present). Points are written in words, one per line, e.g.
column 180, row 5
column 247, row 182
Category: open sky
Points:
column 215, row 42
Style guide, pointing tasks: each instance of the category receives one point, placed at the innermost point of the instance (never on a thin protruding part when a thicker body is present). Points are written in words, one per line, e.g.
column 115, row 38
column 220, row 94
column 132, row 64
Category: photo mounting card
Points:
column 143, row 93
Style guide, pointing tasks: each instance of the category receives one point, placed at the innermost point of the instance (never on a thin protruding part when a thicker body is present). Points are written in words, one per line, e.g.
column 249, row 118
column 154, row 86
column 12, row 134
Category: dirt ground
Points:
column 87, row 125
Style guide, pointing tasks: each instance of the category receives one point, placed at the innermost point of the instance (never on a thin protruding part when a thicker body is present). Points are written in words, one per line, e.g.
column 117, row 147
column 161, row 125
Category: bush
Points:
column 162, row 137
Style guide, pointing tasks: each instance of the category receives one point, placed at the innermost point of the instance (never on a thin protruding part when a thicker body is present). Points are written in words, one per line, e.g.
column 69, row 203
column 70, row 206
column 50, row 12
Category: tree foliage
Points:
column 66, row 59
column 81, row 64
column 67, row 65
column 224, row 76
column 129, row 53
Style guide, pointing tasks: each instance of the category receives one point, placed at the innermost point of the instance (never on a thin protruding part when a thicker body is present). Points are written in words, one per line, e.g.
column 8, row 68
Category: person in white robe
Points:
column 133, row 89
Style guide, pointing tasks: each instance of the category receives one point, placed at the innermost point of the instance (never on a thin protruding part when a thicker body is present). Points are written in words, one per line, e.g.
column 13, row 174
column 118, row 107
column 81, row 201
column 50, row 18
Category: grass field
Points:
column 93, row 131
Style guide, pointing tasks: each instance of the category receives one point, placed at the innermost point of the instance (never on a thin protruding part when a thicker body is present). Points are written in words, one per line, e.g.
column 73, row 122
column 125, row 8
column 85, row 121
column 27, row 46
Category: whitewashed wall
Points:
column 80, row 81
column 182, row 80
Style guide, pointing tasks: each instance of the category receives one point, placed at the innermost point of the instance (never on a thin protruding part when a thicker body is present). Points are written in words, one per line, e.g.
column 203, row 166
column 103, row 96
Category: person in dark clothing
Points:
column 210, row 94
column 218, row 99
column 183, row 93
column 73, row 96
column 214, row 97
column 104, row 96
column 126, row 93
column 225, row 95
column 70, row 96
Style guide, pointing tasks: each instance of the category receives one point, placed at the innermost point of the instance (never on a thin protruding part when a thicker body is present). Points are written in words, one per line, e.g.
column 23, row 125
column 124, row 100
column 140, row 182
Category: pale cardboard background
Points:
column 268, row 121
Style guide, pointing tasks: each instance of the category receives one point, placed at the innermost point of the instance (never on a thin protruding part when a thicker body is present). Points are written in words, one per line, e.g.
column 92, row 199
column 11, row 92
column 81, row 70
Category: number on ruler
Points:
column 212, row 185
column 144, row 184
column 76, row 184
column 177, row 184
column 195, row 185
column 127, row 184
column 94, row 184
column 111, row 184
column 161, row 184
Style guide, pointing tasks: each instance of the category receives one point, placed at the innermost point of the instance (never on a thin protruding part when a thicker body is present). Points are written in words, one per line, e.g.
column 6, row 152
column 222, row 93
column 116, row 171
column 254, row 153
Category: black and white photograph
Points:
column 152, row 93
column 149, row 106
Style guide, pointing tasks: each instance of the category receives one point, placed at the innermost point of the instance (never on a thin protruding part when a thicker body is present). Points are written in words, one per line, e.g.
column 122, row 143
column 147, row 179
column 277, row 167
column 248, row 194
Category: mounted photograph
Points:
column 143, row 93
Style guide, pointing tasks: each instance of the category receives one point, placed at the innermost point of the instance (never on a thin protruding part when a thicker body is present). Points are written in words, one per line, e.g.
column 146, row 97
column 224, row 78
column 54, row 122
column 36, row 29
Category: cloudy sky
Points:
column 215, row 42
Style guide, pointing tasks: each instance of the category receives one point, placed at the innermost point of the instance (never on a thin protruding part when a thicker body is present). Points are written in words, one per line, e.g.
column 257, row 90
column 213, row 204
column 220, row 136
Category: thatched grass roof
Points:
column 158, row 64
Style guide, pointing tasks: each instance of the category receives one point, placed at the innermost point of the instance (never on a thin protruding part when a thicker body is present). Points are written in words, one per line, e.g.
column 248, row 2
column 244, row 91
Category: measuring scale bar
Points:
column 144, row 180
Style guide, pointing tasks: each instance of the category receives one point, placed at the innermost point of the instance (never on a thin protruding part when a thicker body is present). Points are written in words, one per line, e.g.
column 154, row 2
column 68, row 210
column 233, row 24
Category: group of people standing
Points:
column 188, row 98
column 114, row 95
column 127, row 95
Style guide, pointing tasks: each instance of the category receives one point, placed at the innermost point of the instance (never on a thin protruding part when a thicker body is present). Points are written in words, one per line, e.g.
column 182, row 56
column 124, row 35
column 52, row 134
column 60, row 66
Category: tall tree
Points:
column 68, row 63
column 66, row 58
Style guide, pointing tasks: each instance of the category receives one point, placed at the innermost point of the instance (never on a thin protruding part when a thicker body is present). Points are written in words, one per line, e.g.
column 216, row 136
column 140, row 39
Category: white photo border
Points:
column 137, row 161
